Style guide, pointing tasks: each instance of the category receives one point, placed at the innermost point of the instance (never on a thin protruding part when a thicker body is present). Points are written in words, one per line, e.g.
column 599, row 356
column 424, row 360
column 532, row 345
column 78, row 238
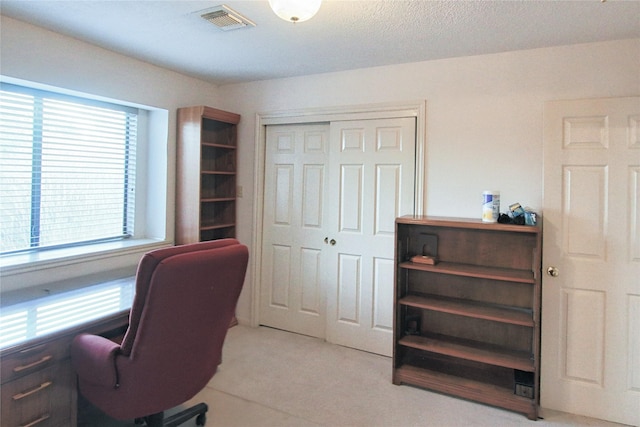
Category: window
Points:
column 67, row 170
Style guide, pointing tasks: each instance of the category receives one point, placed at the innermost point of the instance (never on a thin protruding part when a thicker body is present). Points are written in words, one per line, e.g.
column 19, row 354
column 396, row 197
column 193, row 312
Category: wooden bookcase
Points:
column 469, row 325
column 206, row 174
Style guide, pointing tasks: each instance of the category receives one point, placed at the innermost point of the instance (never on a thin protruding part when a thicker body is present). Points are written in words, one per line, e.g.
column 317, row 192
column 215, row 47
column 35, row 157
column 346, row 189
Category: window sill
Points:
column 29, row 262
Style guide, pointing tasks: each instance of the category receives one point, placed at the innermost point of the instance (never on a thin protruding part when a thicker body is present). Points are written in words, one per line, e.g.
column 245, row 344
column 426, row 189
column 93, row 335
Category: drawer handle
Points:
column 32, row 365
column 38, row 421
column 32, row 391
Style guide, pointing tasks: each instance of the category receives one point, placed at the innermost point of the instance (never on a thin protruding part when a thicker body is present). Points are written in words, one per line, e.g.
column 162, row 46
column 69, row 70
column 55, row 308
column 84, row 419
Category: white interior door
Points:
column 330, row 201
column 292, row 294
column 591, row 310
column 371, row 183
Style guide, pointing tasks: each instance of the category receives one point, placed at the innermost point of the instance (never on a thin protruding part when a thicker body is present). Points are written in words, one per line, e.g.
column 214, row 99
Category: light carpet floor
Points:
column 272, row 378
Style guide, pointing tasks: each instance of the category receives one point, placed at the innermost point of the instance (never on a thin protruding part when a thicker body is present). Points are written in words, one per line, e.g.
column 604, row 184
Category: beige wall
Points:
column 484, row 113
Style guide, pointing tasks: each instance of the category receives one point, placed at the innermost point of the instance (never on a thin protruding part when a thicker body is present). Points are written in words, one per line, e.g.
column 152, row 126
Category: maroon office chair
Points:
column 184, row 303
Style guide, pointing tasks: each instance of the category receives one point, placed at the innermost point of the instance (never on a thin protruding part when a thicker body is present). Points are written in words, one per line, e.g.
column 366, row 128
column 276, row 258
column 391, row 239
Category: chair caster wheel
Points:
column 201, row 419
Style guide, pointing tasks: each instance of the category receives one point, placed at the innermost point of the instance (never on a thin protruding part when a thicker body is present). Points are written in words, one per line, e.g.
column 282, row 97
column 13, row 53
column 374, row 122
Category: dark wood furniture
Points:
column 206, row 174
column 469, row 326
column 38, row 384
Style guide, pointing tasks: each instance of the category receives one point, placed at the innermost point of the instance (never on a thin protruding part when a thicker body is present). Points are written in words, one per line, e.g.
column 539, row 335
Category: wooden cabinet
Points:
column 37, row 382
column 206, row 174
column 37, row 386
column 469, row 325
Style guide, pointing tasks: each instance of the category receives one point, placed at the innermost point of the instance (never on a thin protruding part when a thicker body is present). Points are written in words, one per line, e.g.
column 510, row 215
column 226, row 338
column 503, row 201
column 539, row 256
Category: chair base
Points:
column 158, row 420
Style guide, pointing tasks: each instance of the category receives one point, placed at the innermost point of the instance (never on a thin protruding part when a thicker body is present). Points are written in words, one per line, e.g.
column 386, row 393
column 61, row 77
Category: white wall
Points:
column 484, row 115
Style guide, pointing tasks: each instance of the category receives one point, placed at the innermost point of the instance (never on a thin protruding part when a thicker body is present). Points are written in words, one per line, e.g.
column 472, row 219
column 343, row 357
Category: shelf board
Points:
column 466, row 308
column 218, row 172
column 478, row 271
column 217, row 199
column 217, row 145
column 216, row 226
column 478, row 391
column 504, row 358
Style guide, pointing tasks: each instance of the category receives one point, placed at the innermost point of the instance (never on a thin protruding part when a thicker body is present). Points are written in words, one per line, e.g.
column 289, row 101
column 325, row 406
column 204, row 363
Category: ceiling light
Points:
column 295, row 10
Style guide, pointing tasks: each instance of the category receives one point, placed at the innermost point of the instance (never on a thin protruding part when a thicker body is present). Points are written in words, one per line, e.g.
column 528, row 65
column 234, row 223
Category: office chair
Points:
column 184, row 302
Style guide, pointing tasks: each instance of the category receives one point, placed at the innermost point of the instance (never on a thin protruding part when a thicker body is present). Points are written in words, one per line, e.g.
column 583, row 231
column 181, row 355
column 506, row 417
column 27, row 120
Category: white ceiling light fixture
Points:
column 295, row 10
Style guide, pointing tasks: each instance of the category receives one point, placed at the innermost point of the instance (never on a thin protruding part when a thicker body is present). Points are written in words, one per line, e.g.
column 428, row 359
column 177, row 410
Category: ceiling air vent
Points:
column 226, row 18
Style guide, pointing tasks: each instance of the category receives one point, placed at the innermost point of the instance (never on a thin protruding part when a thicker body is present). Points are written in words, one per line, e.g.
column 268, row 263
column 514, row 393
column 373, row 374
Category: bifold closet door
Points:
column 332, row 193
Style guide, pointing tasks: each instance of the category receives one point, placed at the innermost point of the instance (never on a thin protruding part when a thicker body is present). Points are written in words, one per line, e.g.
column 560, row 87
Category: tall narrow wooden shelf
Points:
column 469, row 325
column 206, row 174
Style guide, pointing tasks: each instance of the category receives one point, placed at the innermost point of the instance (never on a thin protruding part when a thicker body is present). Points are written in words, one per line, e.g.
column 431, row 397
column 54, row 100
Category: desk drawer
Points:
column 40, row 399
column 31, row 359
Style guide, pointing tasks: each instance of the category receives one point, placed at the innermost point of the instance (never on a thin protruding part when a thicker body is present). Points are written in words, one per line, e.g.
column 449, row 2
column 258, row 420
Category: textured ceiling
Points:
column 343, row 35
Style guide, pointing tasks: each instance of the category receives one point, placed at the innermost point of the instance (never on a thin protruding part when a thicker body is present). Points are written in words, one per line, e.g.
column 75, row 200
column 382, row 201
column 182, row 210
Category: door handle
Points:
column 332, row 242
column 553, row 271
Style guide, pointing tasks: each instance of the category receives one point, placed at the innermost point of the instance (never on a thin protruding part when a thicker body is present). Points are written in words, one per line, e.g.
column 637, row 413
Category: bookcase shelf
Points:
column 479, row 271
column 479, row 391
column 461, row 307
column 469, row 325
column 470, row 351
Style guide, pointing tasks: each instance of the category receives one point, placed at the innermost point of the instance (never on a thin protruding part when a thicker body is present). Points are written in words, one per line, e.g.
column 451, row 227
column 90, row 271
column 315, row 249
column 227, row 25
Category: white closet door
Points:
column 292, row 294
column 332, row 193
column 371, row 183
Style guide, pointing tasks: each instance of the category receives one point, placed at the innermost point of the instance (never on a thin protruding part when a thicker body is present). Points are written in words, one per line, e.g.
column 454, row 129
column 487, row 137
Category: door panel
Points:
column 585, row 209
column 292, row 293
column 375, row 184
column 351, row 198
column 311, row 301
column 590, row 317
column 349, row 284
column 280, row 283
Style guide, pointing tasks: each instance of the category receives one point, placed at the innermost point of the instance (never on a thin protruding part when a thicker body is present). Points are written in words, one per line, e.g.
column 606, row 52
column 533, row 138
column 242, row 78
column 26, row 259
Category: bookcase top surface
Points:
column 212, row 113
column 471, row 223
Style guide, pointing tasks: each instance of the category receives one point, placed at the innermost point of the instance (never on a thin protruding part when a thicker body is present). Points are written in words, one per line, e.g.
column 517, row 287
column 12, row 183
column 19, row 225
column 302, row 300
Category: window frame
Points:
column 31, row 273
column 39, row 96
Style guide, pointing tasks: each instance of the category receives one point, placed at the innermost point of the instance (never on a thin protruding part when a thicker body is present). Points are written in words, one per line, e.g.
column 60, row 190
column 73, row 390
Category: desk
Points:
column 38, row 386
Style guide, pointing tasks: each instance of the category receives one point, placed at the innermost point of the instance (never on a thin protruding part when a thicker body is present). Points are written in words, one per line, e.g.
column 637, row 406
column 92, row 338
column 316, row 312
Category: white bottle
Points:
column 490, row 206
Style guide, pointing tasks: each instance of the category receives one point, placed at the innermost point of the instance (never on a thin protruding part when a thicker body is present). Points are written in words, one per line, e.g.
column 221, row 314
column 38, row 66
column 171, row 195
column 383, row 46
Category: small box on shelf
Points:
column 424, row 259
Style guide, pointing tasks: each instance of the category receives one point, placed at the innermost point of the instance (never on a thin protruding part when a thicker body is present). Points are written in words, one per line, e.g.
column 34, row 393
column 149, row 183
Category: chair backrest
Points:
column 145, row 274
column 189, row 299
column 185, row 300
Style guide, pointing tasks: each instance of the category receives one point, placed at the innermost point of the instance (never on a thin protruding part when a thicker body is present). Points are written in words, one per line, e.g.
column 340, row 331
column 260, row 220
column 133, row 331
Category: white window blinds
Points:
column 67, row 169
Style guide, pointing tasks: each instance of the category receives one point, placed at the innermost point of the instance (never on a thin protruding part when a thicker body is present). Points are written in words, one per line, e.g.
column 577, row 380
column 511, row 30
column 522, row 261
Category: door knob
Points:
column 333, row 242
column 326, row 240
column 553, row 271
